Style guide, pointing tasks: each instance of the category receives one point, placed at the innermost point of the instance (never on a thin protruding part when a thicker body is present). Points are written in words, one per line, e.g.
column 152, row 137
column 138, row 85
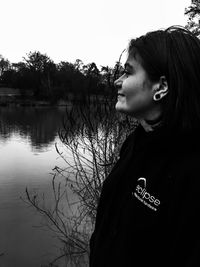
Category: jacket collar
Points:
column 164, row 139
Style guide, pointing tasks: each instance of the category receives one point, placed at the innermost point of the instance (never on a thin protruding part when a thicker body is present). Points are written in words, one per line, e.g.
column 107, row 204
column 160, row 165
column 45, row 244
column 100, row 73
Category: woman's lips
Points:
column 120, row 95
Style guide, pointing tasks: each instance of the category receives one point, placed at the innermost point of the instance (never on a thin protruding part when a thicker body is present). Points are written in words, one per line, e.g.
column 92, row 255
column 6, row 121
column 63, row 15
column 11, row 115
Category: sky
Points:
column 90, row 30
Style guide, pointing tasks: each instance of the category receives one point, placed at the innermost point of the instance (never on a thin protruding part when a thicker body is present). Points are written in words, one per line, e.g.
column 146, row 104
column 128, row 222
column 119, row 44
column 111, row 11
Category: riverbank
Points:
column 4, row 102
column 32, row 103
column 12, row 97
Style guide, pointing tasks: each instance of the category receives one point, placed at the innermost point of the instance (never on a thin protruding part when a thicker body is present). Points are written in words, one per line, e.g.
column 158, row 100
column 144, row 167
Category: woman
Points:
column 149, row 209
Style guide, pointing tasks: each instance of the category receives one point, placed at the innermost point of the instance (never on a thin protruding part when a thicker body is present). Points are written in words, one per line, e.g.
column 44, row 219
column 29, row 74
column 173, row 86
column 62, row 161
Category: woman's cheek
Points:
column 131, row 102
column 131, row 93
column 127, row 83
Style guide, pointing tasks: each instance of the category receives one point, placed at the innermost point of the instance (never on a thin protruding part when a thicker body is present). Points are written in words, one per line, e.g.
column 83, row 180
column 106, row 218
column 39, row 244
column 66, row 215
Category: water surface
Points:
column 27, row 157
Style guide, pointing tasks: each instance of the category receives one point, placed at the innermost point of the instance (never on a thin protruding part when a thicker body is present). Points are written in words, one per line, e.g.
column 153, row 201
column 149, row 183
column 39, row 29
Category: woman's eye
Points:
column 125, row 72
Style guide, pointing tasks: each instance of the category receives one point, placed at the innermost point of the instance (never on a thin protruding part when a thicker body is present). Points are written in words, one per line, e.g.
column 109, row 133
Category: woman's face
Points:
column 135, row 90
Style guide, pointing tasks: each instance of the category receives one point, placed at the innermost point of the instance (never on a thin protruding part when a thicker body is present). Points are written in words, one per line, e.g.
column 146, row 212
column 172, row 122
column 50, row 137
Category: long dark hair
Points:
column 175, row 53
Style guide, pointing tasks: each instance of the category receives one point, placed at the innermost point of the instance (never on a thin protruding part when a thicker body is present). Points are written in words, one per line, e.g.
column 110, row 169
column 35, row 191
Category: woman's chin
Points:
column 120, row 108
column 124, row 110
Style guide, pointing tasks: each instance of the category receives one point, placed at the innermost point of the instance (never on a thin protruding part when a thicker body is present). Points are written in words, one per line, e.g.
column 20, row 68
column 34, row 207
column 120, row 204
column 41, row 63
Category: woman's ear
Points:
column 161, row 88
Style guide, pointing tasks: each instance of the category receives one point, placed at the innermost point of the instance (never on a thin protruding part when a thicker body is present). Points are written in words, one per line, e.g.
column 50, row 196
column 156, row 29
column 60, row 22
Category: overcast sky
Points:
column 90, row 30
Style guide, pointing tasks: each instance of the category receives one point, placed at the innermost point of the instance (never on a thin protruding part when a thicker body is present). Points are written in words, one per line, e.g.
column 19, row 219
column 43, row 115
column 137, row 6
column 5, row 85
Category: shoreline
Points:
column 29, row 102
column 13, row 97
column 33, row 103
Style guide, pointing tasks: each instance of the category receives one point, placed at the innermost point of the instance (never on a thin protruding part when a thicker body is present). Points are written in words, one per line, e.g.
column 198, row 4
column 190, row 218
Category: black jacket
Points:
column 149, row 209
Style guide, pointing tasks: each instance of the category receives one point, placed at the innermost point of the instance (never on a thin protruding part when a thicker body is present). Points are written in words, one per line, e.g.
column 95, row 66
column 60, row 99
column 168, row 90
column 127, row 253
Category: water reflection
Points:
column 40, row 125
column 27, row 153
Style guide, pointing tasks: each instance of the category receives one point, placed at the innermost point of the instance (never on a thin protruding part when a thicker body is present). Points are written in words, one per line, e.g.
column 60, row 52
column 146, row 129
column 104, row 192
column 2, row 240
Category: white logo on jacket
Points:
column 145, row 197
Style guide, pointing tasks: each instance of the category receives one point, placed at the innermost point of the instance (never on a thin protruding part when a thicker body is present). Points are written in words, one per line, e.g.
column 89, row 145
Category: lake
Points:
column 27, row 157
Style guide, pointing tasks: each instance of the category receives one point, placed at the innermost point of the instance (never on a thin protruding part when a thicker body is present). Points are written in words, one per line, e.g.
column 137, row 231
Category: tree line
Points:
column 46, row 80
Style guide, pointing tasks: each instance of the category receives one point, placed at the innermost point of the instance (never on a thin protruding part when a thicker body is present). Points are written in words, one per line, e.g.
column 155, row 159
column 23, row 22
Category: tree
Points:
column 78, row 64
column 21, row 77
column 42, row 69
column 193, row 13
column 4, row 65
column 92, row 77
column 37, row 61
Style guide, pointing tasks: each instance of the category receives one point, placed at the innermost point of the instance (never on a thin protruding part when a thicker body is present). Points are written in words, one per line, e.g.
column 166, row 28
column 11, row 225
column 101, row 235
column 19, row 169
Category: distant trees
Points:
column 46, row 80
column 41, row 70
column 193, row 13
column 4, row 65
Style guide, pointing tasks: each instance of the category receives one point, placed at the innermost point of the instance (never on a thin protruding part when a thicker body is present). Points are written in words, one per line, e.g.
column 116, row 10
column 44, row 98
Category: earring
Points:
column 156, row 97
